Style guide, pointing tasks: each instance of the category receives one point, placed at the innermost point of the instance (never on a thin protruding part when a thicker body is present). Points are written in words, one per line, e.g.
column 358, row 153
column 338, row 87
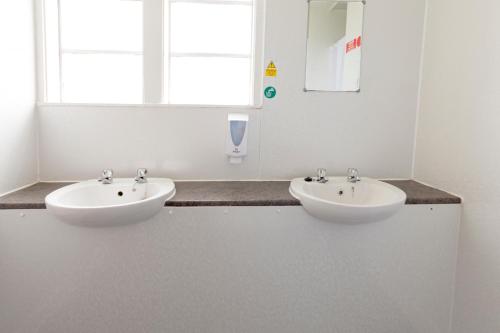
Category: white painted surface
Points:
column 223, row 269
column 292, row 135
column 457, row 147
column 18, row 148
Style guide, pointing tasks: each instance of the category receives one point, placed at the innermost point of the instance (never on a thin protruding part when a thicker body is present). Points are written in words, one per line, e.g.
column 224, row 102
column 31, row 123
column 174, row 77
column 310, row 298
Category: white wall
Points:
column 18, row 157
column 229, row 270
column 458, row 145
column 292, row 135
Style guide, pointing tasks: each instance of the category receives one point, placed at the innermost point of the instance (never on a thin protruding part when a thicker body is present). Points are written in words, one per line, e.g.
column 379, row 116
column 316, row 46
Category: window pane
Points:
column 52, row 89
column 101, row 25
column 210, row 28
column 219, row 81
column 101, row 78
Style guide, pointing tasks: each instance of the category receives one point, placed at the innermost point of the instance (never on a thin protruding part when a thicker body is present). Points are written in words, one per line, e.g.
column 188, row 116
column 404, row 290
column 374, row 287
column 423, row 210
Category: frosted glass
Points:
column 211, row 28
column 53, row 90
column 211, row 81
column 101, row 25
column 98, row 78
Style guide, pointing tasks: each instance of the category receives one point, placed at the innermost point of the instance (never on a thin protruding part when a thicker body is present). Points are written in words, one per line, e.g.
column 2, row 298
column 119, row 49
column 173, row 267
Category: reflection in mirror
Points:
column 334, row 45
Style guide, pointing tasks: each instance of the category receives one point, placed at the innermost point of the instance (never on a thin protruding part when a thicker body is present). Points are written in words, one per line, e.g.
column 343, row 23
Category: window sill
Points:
column 148, row 106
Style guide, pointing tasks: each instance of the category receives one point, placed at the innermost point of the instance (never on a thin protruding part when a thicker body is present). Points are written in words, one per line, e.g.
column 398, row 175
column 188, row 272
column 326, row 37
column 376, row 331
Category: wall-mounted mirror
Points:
column 334, row 45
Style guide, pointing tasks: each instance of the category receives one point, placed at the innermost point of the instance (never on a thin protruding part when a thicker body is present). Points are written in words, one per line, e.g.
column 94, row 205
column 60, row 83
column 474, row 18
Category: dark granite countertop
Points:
column 229, row 193
column 420, row 194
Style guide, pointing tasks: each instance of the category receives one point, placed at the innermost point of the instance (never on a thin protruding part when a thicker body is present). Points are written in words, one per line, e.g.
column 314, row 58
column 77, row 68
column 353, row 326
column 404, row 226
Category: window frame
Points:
column 153, row 54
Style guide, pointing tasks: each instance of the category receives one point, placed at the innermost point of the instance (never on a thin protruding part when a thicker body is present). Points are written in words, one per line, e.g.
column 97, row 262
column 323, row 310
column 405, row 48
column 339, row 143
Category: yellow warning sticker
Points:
column 271, row 70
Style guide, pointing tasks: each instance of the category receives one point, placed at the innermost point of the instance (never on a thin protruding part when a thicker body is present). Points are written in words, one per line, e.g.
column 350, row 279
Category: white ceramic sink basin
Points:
column 339, row 201
column 93, row 204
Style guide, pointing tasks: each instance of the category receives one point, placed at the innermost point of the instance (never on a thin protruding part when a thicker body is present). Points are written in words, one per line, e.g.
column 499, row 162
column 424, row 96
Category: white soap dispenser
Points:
column 237, row 133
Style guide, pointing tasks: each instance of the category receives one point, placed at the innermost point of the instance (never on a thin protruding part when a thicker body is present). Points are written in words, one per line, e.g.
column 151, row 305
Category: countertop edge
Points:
column 417, row 194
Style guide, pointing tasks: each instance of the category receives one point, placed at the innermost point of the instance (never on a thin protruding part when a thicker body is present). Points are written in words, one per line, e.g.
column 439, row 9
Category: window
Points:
column 197, row 52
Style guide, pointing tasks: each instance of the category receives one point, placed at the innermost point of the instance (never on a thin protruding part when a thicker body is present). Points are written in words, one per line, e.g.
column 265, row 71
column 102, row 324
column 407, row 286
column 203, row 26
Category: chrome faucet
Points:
column 106, row 177
column 141, row 176
column 321, row 178
column 353, row 175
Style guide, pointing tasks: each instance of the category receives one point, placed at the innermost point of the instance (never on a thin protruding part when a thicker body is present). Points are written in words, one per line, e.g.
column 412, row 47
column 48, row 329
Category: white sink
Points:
column 93, row 204
column 343, row 202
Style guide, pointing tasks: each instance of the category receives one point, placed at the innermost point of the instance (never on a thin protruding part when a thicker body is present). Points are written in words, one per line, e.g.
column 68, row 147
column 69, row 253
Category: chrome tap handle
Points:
column 141, row 175
column 353, row 175
column 106, row 177
column 321, row 176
